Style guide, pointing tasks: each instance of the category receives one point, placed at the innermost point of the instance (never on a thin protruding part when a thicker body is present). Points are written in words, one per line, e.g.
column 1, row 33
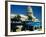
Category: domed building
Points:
column 30, row 21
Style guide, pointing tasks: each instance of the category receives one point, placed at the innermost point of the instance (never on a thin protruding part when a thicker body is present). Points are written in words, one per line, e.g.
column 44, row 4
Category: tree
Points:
column 29, row 17
column 15, row 18
column 24, row 25
column 18, row 17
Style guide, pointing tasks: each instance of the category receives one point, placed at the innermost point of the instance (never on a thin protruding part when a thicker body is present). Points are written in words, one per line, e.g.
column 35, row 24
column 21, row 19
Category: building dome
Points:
column 30, row 10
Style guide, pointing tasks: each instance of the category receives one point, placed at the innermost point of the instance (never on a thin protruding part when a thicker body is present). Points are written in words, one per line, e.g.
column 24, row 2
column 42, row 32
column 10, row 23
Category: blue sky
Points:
column 22, row 9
